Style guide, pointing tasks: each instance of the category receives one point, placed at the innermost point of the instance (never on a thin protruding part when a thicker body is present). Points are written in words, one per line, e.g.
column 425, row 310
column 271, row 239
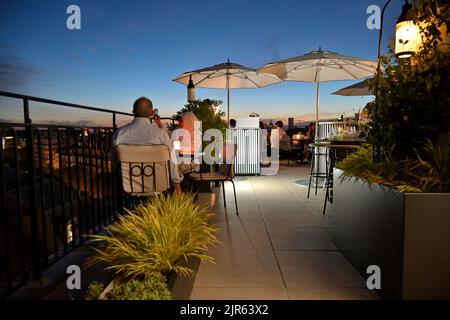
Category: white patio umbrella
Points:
column 320, row 66
column 228, row 76
column 358, row 89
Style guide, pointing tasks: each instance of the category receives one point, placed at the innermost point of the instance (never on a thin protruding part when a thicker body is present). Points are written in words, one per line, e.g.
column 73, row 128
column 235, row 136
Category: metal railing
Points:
column 57, row 185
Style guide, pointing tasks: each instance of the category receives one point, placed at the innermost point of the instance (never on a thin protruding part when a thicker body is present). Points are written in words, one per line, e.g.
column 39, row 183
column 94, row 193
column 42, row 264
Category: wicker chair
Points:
column 145, row 170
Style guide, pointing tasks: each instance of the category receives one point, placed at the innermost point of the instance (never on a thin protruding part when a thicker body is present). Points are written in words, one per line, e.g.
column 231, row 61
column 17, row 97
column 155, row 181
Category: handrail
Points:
column 62, row 103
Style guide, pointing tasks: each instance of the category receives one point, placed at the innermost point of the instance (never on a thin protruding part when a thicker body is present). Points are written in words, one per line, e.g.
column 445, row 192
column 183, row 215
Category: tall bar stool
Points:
column 317, row 155
column 336, row 153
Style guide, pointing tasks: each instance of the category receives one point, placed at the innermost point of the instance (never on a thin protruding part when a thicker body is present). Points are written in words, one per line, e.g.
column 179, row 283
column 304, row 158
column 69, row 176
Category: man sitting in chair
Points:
column 142, row 132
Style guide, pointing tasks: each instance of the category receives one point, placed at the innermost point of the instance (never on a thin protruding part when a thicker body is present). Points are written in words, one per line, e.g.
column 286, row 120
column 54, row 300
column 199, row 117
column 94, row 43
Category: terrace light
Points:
column 407, row 34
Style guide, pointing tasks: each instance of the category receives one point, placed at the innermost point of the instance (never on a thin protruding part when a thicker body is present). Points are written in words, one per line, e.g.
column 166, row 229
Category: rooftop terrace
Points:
column 279, row 247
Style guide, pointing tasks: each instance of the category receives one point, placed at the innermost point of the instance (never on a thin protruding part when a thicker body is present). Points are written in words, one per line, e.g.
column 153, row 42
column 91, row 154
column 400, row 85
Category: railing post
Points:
column 32, row 194
column 114, row 122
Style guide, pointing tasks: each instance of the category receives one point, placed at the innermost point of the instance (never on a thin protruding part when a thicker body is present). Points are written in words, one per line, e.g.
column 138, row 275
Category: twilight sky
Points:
column 127, row 49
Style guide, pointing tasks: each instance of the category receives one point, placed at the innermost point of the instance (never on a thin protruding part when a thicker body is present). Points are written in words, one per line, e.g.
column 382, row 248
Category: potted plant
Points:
column 206, row 111
column 392, row 200
column 151, row 288
column 167, row 235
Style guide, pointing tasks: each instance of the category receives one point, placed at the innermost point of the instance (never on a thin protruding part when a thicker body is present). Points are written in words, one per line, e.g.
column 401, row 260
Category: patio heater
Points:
column 247, row 137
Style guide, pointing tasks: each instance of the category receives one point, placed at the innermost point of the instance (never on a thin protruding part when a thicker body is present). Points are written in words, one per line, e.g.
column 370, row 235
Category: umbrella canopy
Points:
column 358, row 89
column 320, row 66
column 228, row 76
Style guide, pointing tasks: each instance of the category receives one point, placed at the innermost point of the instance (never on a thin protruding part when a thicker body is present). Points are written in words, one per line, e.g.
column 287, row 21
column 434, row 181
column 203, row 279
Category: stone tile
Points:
column 251, row 269
column 299, row 219
column 240, row 196
column 301, row 239
column 242, row 220
column 331, row 294
column 281, row 206
column 243, row 207
column 321, row 269
column 275, row 214
column 236, row 238
column 325, row 220
column 200, row 293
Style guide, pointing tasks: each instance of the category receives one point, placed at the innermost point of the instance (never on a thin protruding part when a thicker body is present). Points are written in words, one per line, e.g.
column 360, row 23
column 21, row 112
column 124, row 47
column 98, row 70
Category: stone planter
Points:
column 406, row 234
column 180, row 286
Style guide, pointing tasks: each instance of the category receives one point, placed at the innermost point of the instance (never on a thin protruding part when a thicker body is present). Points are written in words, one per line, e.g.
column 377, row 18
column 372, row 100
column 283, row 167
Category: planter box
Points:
column 406, row 234
column 180, row 286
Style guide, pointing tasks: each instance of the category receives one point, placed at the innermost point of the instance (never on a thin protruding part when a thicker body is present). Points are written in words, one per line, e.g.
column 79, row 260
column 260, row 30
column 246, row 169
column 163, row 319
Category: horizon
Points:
column 118, row 56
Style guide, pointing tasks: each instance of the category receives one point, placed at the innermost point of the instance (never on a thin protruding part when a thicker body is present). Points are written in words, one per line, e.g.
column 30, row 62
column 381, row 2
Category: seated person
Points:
column 156, row 120
column 141, row 132
column 187, row 121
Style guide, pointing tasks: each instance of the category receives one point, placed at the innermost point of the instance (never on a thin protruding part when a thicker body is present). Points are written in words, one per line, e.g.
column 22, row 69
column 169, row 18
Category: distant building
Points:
column 290, row 123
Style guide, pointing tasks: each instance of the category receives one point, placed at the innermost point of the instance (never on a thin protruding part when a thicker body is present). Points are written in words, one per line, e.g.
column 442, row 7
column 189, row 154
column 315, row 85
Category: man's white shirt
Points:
column 142, row 132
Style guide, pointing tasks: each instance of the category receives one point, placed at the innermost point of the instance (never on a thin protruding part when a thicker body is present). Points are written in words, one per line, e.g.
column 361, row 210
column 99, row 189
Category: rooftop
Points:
column 279, row 247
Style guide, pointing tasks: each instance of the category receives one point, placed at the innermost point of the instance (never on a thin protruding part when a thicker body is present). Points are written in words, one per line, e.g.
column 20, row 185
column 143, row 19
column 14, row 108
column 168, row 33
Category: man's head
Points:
column 279, row 124
column 143, row 107
column 232, row 123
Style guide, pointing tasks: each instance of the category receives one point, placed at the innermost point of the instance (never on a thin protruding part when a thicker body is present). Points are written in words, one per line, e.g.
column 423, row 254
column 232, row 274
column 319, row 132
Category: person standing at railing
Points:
column 311, row 132
column 281, row 132
column 142, row 132
column 310, row 135
column 265, row 161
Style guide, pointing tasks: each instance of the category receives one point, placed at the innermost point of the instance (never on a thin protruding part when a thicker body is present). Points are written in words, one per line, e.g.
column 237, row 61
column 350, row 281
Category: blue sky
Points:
column 127, row 49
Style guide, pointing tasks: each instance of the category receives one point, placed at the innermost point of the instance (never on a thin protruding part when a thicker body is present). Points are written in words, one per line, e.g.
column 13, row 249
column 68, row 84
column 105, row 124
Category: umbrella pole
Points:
column 228, row 101
column 317, row 149
column 317, row 110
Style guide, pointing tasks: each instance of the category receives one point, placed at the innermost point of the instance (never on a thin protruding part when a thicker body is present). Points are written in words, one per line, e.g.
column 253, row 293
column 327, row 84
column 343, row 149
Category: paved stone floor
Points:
column 279, row 247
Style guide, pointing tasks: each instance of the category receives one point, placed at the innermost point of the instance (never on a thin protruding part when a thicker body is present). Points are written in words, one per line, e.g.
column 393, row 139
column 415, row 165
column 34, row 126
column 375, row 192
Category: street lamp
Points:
column 406, row 34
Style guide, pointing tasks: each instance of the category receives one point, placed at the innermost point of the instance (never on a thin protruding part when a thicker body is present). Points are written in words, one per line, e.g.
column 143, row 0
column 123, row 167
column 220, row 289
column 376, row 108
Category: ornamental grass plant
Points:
column 157, row 236
column 428, row 171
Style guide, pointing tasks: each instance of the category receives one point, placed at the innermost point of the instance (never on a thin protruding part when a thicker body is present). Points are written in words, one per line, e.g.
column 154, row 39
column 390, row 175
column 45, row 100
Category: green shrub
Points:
column 204, row 111
column 153, row 287
column 158, row 236
column 427, row 171
column 413, row 98
column 411, row 116
column 94, row 291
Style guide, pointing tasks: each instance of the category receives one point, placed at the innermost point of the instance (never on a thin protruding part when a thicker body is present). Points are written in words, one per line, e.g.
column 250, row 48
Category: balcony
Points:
column 58, row 187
